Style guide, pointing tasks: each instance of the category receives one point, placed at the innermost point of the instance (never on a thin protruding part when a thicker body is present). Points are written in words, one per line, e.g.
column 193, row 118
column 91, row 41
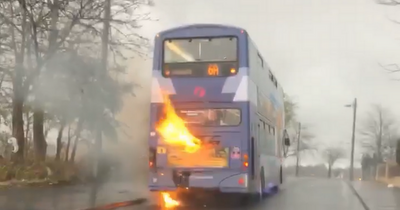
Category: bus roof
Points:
column 200, row 25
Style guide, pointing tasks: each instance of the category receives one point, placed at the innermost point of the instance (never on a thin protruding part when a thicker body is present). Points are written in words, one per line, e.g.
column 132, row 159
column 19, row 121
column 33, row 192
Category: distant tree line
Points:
column 307, row 145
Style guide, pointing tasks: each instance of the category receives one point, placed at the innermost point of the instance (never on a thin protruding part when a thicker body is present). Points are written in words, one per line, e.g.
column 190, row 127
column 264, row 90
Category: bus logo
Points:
column 199, row 91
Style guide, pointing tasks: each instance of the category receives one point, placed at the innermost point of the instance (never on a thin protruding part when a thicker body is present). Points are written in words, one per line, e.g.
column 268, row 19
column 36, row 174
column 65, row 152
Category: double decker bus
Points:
column 220, row 86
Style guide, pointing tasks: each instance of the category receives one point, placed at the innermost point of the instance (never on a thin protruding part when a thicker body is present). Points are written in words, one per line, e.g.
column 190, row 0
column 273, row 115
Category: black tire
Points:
column 281, row 175
column 262, row 178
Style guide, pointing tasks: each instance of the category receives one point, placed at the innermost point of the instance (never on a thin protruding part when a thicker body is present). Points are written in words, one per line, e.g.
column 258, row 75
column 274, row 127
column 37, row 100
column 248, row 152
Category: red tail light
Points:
column 241, row 181
column 152, row 157
column 245, row 161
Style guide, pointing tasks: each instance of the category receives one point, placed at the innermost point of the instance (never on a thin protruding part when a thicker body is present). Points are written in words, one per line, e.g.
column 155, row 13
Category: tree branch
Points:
column 388, row 2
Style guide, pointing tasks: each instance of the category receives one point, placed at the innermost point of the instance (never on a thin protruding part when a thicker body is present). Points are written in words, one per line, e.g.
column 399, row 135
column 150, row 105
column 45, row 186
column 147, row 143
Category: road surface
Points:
column 68, row 198
column 378, row 196
column 299, row 194
column 324, row 194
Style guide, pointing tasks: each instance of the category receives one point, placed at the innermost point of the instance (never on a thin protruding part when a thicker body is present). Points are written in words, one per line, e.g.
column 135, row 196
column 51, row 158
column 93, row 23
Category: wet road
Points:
column 69, row 198
column 304, row 194
column 299, row 194
column 378, row 196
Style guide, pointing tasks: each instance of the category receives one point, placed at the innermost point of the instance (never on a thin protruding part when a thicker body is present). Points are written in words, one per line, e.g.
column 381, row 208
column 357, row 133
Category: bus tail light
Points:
column 152, row 158
column 245, row 161
column 241, row 181
column 167, row 73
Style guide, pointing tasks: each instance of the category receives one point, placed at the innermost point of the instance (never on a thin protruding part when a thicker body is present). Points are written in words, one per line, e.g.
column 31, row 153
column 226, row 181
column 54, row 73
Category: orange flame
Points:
column 173, row 129
column 168, row 201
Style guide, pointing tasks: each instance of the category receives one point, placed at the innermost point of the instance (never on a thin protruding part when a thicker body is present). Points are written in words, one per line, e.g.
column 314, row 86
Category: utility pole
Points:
column 353, row 139
column 298, row 150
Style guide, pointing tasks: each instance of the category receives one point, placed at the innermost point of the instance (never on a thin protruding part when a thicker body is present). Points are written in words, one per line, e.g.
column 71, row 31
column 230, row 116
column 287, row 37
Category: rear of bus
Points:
column 203, row 71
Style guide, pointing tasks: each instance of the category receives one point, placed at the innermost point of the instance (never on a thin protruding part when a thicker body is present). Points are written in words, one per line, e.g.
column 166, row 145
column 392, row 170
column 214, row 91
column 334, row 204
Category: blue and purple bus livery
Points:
column 220, row 85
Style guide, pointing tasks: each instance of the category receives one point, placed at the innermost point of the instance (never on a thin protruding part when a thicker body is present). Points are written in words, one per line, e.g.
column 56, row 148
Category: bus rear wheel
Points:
column 253, row 198
column 262, row 185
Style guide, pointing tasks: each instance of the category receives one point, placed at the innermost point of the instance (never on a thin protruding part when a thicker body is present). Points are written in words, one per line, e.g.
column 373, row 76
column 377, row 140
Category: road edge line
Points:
column 350, row 185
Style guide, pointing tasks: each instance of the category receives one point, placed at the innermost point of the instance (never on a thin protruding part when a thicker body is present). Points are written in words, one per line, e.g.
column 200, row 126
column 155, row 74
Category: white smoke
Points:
column 132, row 148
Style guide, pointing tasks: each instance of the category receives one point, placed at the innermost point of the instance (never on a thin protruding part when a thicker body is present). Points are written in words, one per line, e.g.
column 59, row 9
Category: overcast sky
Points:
column 324, row 53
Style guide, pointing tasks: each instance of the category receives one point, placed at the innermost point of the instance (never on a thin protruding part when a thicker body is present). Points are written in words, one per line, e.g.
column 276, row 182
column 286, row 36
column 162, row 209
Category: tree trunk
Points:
column 77, row 136
column 18, row 126
column 27, row 130
column 59, row 138
column 18, row 111
column 39, row 141
column 68, row 144
column 38, row 115
column 18, row 97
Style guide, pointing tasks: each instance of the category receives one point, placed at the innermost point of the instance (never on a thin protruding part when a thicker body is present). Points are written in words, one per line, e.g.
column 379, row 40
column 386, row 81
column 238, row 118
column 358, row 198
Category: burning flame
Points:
column 173, row 129
column 168, row 201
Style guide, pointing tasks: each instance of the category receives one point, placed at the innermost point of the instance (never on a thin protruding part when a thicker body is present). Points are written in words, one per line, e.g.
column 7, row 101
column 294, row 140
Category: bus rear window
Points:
column 200, row 50
column 210, row 117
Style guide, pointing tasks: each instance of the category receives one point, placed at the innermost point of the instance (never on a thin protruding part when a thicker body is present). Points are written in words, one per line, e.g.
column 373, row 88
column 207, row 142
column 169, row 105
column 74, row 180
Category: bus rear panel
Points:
column 205, row 75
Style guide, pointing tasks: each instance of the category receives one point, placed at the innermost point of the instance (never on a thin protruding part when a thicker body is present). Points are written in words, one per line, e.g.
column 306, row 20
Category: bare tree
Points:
column 377, row 131
column 40, row 30
column 331, row 155
column 391, row 140
column 393, row 67
column 306, row 143
column 389, row 145
column 290, row 110
column 388, row 2
column 15, row 46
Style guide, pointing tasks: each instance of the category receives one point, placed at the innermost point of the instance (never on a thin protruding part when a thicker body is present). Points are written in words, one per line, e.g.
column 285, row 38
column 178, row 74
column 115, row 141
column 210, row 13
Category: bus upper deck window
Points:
column 200, row 50
column 200, row 57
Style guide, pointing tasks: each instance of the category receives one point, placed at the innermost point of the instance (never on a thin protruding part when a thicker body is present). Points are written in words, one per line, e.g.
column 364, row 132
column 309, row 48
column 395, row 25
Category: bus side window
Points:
column 271, row 77
column 263, row 137
column 269, row 129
